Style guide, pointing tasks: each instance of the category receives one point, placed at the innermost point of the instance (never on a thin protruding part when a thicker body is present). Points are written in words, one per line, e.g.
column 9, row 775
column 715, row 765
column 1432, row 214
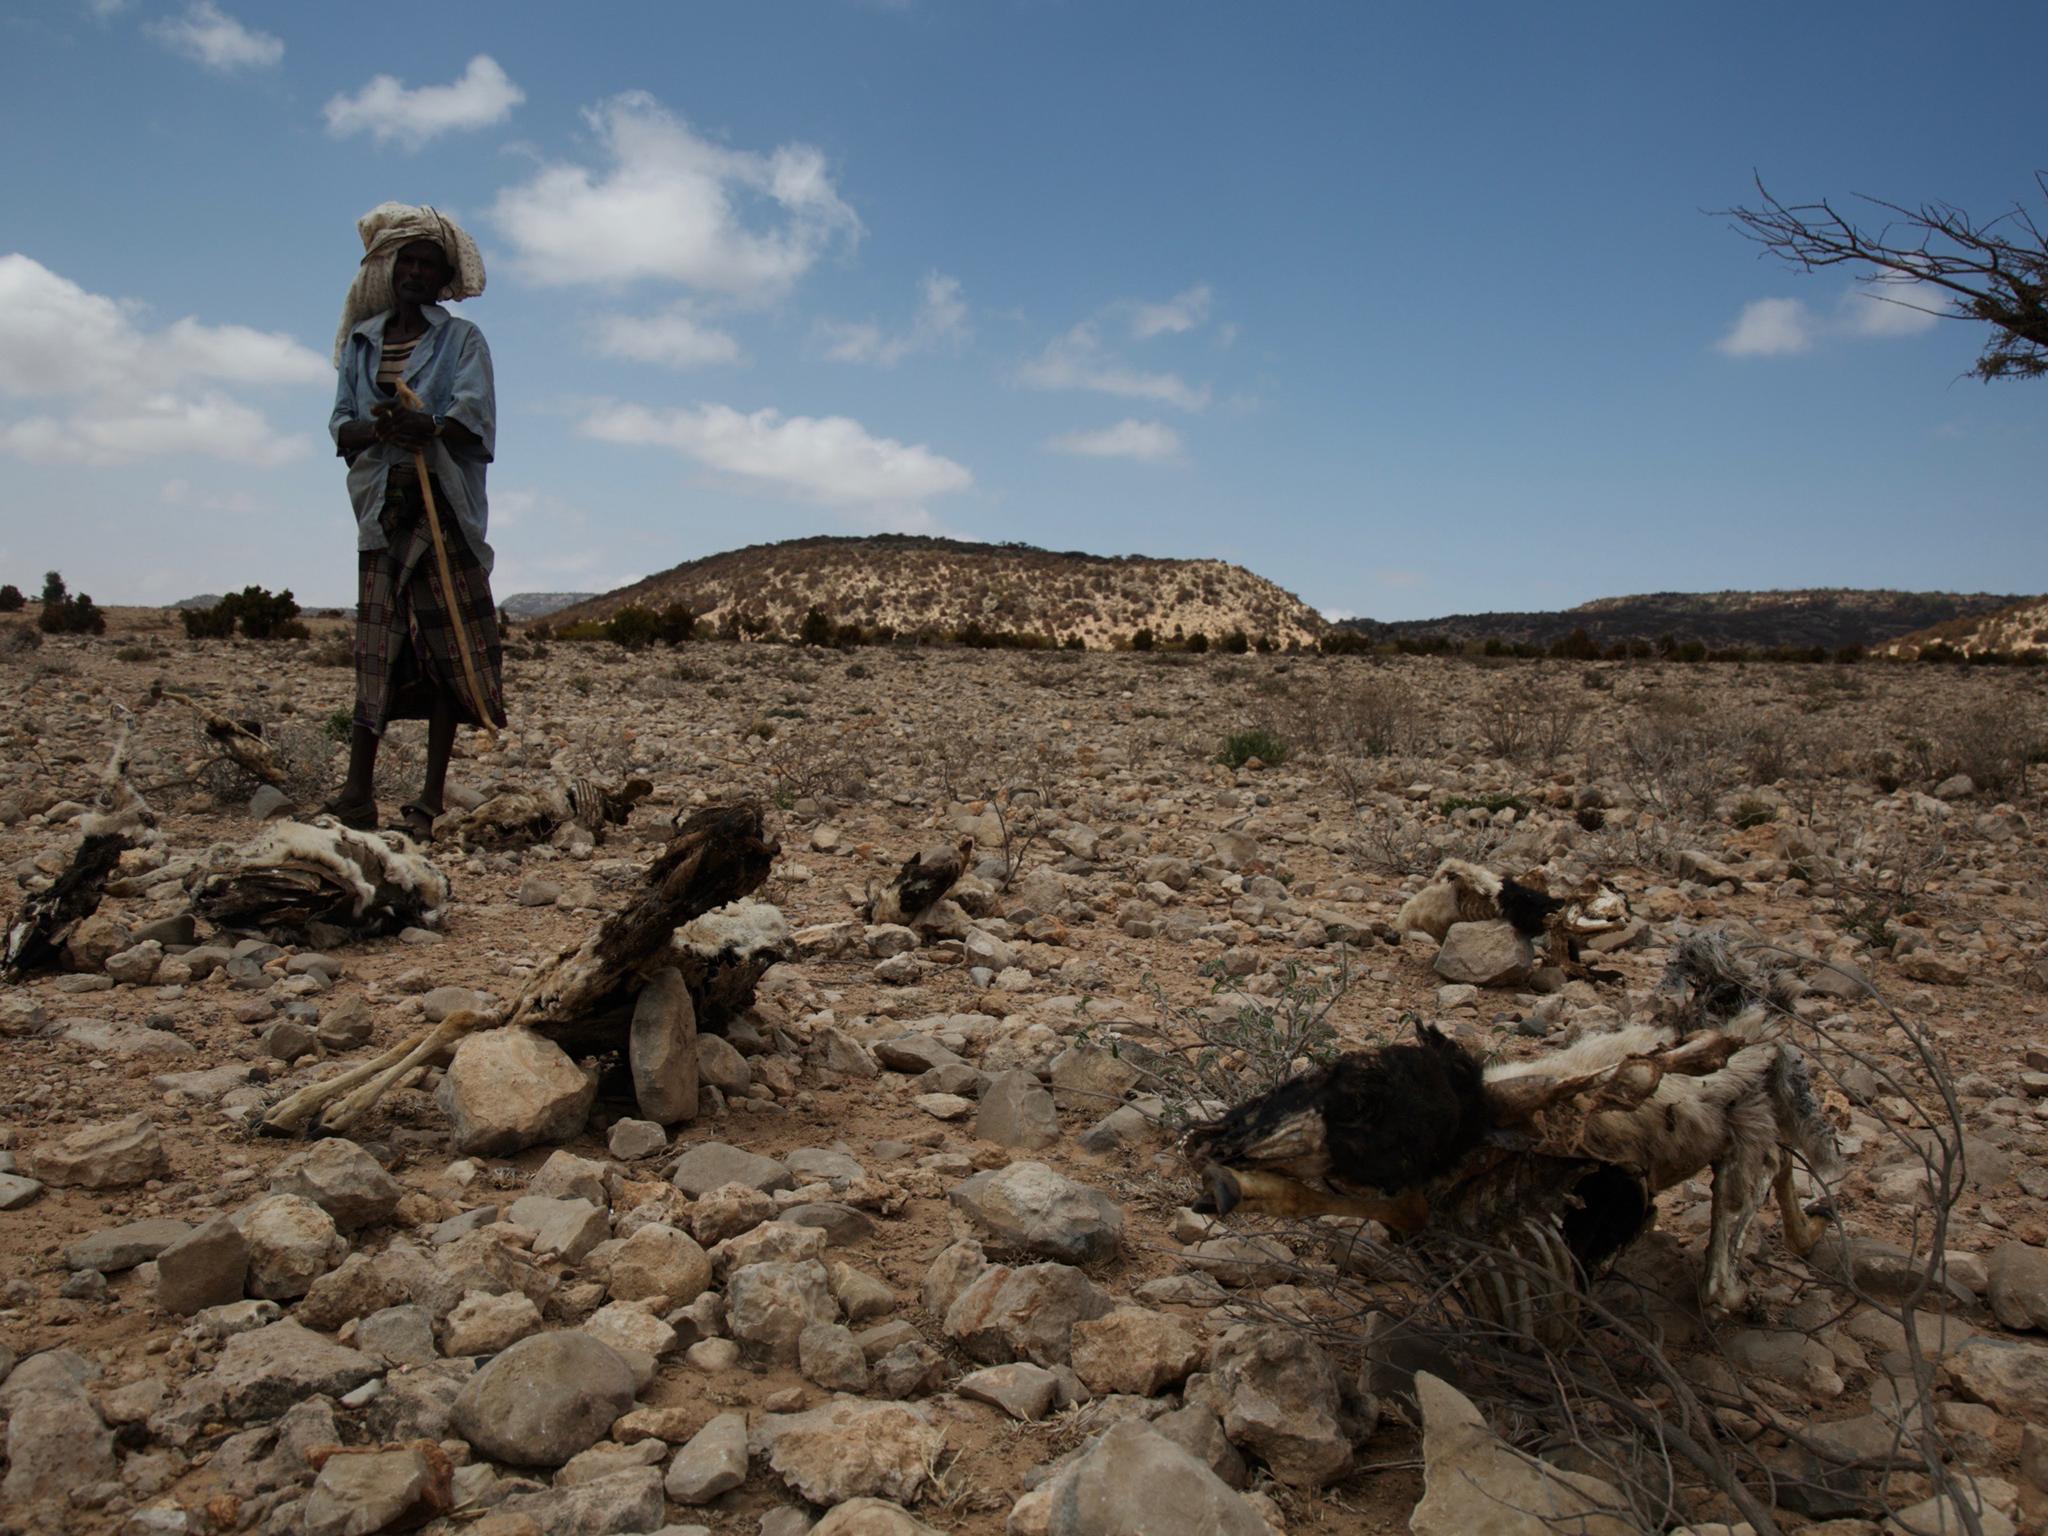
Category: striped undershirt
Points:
column 391, row 363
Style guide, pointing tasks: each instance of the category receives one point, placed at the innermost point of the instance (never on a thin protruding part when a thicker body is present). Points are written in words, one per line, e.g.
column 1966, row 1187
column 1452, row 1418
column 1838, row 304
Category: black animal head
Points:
column 1384, row 1120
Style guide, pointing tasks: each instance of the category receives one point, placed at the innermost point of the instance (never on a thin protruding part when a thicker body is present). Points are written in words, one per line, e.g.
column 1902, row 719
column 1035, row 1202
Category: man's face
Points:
column 420, row 272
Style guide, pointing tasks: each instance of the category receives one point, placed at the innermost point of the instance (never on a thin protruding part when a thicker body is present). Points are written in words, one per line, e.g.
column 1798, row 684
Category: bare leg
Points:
column 1741, row 1185
column 362, row 766
column 440, row 746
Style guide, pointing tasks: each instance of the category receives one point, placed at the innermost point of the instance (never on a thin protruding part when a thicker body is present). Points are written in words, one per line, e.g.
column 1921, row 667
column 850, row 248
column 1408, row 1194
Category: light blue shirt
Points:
column 450, row 370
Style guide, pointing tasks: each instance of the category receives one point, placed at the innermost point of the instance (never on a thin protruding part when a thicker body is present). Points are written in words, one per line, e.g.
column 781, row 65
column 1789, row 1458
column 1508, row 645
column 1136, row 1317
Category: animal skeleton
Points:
column 512, row 815
column 920, row 884
column 1579, row 1142
column 297, row 873
column 1463, row 892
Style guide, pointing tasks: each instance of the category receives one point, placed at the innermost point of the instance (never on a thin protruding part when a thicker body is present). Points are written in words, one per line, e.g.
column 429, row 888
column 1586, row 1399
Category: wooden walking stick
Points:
column 464, row 651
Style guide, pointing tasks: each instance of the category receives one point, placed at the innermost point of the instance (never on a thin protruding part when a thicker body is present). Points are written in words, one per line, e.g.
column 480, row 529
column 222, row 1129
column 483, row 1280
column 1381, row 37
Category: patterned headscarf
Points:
column 386, row 228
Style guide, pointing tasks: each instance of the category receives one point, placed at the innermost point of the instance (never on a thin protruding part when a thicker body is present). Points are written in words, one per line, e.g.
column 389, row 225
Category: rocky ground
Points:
column 923, row 1248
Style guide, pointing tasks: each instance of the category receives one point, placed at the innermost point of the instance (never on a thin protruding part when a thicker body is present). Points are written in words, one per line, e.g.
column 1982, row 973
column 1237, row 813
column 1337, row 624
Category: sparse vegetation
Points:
column 1240, row 747
column 11, row 600
column 68, row 613
column 256, row 611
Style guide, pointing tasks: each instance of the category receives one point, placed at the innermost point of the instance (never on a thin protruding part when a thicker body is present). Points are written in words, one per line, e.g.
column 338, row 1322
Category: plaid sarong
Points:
column 406, row 657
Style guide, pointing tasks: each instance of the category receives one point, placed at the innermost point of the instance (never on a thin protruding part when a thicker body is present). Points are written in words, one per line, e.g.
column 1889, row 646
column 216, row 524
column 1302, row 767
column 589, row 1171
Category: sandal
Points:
column 416, row 820
column 356, row 815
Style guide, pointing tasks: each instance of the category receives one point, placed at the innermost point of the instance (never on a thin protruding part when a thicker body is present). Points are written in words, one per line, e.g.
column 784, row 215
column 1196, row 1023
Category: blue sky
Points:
column 1411, row 309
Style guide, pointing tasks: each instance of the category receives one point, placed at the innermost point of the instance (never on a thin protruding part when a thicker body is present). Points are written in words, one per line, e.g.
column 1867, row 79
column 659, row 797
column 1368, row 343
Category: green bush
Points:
column 338, row 725
column 675, row 624
column 1198, row 643
column 1344, row 642
column 1493, row 805
column 11, row 600
column 1236, row 643
column 816, row 629
column 261, row 615
column 1240, row 747
column 1143, row 640
column 633, row 627
column 67, row 614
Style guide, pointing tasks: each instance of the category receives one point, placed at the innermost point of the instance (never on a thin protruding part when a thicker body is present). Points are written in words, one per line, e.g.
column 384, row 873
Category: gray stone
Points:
column 662, row 1049
column 292, row 1243
column 346, row 1027
column 1122, row 1128
column 914, row 1053
column 544, row 1399
column 721, row 1065
column 956, row 1267
column 773, row 1242
column 827, row 1354
column 631, row 1140
column 2010, row 1376
column 1489, row 954
column 1023, row 1314
column 1134, row 1350
column 119, row 1248
column 508, row 1089
column 109, row 1156
column 1133, row 1481
column 342, row 1179
column 1091, row 1078
column 136, row 965
column 57, row 1444
column 1021, row 1390
column 729, row 1210
column 714, row 1461
column 263, row 1372
column 861, row 1296
column 657, row 1260
column 1196, row 1430
column 867, row 1517
column 811, row 1165
column 628, row 1501
column 16, row 1191
column 484, row 1324
column 768, row 1306
column 1016, row 1112
column 205, row 1268
column 1477, row 1485
column 2017, row 1279
column 1281, row 1403
column 399, row 1335
column 706, row 1166
column 850, row 1449
column 395, row 1487
column 565, row 1228
column 1030, row 1207
column 289, row 1039
column 841, row 1224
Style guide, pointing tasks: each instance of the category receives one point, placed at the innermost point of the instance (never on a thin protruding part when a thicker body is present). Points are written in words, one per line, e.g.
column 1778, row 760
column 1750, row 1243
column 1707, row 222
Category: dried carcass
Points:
column 512, row 816
column 37, row 933
column 924, row 879
column 297, row 874
column 1464, row 892
column 583, row 998
column 242, row 744
column 1573, row 1146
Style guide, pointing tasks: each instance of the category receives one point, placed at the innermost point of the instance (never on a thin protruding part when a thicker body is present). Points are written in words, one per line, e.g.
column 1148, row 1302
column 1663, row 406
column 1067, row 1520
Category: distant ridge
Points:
column 538, row 605
column 2018, row 630
column 1813, row 616
column 912, row 583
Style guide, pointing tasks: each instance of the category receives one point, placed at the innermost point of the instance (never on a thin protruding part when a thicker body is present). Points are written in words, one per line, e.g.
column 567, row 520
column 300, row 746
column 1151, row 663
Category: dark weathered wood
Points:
column 35, row 938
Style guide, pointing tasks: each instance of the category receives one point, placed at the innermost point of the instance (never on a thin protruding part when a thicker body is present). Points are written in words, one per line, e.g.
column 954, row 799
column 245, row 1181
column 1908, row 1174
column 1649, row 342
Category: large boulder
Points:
column 658, row 1260
column 1016, row 1112
column 1134, row 1350
column 1489, row 954
column 2008, row 1375
column 768, row 1306
column 379, row 1488
column 56, row 1442
column 712, row 1163
column 262, row 1373
column 2017, row 1280
column 207, row 1267
column 1030, row 1207
column 1474, row 1484
column 292, row 1243
column 544, row 1399
column 508, row 1089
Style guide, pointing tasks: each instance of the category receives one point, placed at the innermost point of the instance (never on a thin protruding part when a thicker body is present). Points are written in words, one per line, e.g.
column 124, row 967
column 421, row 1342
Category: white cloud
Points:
column 941, row 320
column 828, row 459
column 1151, row 442
column 1769, row 328
column 131, row 388
column 57, row 339
column 1183, row 312
column 1078, row 360
column 208, row 34
column 391, row 113
column 1892, row 309
column 153, row 426
column 673, row 337
column 672, row 205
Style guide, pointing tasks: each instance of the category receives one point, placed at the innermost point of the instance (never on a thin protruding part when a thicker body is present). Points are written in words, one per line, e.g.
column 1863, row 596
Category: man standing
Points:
column 426, row 643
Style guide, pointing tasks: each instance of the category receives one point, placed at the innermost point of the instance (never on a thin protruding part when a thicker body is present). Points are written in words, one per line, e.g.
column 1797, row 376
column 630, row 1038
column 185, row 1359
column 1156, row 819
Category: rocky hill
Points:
column 1825, row 616
column 911, row 583
column 2020, row 630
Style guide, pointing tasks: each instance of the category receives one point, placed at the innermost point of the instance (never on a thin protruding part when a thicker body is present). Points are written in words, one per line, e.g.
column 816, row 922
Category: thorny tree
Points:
column 1993, row 270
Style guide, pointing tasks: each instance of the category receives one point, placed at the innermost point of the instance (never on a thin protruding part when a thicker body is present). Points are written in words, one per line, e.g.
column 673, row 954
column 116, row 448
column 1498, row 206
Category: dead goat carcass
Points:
column 1463, row 892
column 921, row 883
column 1566, row 1152
column 38, row 932
column 297, row 875
column 584, row 998
column 513, row 817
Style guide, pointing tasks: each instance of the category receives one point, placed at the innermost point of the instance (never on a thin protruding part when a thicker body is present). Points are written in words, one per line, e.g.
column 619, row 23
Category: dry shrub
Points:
column 1992, row 743
column 1674, row 758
